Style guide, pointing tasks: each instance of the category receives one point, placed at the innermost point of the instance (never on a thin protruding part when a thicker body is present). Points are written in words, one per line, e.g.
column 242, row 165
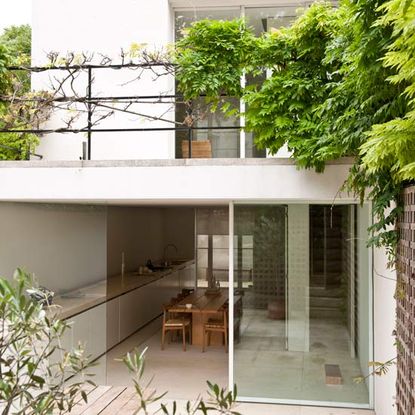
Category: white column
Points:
column 384, row 312
column 298, row 278
column 231, row 295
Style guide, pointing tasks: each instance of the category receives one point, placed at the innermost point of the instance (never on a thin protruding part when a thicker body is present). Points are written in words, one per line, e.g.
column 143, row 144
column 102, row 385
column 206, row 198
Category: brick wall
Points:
column 405, row 296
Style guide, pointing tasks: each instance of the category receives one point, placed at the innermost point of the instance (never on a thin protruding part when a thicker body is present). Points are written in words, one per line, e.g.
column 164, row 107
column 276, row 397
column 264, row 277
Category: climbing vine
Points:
column 341, row 84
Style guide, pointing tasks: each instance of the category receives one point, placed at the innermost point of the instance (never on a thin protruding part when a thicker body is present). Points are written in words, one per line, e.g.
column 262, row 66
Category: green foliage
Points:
column 391, row 145
column 342, row 84
column 22, row 112
column 34, row 368
column 15, row 50
column 211, row 58
column 284, row 108
column 5, row 79
column 18, row 39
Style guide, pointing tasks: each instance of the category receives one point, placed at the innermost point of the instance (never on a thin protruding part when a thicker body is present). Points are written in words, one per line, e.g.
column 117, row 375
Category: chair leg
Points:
column 163, row 334
column 204, row 340
column 184, row 337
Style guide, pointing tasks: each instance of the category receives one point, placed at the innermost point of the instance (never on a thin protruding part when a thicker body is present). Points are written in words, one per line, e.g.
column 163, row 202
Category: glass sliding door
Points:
column 260, row 264
column 302, row 316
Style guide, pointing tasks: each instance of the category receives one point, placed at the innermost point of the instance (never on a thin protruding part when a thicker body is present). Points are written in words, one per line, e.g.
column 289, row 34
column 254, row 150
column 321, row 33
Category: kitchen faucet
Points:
column 165, row 252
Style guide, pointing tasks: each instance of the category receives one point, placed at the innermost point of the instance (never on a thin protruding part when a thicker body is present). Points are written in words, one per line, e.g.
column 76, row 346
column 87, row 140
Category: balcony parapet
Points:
column 160, row 163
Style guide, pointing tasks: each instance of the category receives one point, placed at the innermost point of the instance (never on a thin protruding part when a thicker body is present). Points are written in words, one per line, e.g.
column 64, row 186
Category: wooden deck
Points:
column 108, row 400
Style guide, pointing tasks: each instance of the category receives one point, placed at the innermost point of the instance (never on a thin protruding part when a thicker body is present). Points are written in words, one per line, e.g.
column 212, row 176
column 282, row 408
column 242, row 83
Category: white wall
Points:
column 105, row 27
column 179, row 229
column 384, row 325
column 63, row 245
column 138, row 232
column 142, row 233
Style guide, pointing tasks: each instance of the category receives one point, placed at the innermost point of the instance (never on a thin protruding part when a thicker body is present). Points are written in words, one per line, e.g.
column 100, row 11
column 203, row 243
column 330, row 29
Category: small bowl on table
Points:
column 189, row 306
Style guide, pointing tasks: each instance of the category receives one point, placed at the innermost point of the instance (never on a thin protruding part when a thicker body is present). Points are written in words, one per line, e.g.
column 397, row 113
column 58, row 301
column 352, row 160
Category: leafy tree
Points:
column 18, row 41
column 15, row 50
column 34, row 368
column 5, row 81
column 391, row 145
column 38, row 376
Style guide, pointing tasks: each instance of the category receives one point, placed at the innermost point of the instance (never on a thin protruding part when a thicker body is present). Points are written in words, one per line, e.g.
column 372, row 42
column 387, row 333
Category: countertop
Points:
column 82, row 299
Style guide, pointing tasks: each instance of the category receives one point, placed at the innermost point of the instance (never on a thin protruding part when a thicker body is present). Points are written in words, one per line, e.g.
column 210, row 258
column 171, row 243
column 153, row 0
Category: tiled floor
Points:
column 264, row 369
column 184, row 374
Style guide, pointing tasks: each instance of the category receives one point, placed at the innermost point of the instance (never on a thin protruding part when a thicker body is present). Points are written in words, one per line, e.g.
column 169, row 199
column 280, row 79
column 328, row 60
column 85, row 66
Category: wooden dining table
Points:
column 204, row 306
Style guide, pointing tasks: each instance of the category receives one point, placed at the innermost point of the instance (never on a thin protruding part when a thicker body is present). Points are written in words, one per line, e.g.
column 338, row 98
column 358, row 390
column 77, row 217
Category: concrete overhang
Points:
column 166, row 182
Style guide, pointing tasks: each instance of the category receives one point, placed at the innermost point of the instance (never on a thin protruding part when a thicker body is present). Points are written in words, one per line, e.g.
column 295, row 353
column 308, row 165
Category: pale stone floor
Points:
column 184, row 374
column 263, row 368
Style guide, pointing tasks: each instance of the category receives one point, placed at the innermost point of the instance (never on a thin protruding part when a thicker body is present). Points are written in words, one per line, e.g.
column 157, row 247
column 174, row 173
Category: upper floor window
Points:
column 226, row 143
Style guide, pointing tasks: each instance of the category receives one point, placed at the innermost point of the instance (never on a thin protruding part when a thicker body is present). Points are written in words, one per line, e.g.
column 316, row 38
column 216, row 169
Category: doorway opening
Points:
column 305, row 331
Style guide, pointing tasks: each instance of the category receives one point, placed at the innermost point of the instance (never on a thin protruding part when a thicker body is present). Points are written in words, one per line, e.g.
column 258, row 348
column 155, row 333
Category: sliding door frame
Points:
column 231, row 289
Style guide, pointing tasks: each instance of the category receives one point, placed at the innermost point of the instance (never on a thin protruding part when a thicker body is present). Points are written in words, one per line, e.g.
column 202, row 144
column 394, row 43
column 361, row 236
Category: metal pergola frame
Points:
column 90, row 100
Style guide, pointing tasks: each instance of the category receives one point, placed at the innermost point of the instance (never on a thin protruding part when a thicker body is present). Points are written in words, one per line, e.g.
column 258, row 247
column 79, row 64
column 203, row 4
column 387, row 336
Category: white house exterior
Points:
column 75, row 223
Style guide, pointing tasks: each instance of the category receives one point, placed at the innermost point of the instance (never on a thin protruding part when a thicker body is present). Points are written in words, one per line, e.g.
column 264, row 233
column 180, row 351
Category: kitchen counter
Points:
column 82, row 299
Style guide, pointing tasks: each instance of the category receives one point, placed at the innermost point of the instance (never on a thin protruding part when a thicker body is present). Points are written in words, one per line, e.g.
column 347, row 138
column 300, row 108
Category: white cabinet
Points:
column 104, row 326
column 113, row 322
column 137, row 308
column 89, row 329
column 130, row 316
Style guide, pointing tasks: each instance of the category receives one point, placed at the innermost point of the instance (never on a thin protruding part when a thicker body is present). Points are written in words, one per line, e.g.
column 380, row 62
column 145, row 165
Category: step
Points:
column 326, row 292
column 326, row 313
column 326, row 302
column 333, row 375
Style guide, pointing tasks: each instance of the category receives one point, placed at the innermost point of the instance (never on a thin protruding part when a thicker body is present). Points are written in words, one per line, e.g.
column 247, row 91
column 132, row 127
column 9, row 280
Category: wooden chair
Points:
column 176, row 322
column 217, row 325
column 201, row 149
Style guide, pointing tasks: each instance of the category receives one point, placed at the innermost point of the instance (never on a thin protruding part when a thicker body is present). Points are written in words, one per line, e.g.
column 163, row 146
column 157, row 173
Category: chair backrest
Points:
column 201, row 149
column 166, row 310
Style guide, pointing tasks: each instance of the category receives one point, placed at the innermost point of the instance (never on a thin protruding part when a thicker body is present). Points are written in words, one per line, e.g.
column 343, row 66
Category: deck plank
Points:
column 130, row 407
column 92, row 395
column 78, row 400
column 118, row 404
column 103, row 401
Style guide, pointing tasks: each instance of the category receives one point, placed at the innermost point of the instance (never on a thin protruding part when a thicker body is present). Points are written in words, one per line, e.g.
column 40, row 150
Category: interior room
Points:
column 299, row 319
column 154, row 248
column 305, row 326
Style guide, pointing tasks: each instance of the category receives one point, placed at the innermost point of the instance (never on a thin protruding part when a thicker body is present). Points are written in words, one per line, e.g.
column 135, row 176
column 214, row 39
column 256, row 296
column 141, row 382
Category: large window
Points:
column 226, row 143
column 304, row 331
